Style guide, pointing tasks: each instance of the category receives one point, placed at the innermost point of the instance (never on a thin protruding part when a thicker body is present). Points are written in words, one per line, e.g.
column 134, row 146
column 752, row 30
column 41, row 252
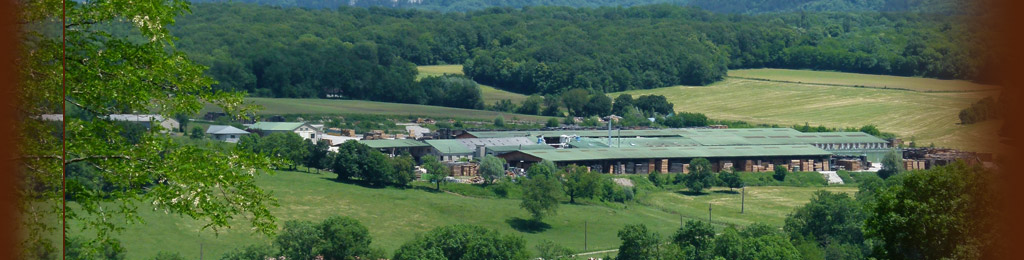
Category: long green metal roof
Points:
column 276, row 126
column 393, row 143
column 449, row 146
column 787, row 139
column 670, row 132
column 511, row 148
column 590, row 154
column 633, row 142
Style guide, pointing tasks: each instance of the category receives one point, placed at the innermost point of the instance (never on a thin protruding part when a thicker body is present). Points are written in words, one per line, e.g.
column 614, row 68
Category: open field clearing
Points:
column 928, row 117
column 394, row 216
column 855, row 79
column 491, row 95
column 340, row 107
column 438, row 70
column 766, row 204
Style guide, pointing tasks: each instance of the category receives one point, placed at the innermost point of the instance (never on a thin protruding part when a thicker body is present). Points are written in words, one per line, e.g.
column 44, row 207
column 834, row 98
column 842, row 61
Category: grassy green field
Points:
column 854, row 79
column 394, row 216
column 334, row 106
column 491, row 94
column 928, row 117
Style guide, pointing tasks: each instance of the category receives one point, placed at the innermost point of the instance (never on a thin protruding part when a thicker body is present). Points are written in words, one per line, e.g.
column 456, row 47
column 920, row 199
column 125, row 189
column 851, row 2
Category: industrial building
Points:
column 677, row 159
column 398, row 146
column 663, row 150
column 841, row 144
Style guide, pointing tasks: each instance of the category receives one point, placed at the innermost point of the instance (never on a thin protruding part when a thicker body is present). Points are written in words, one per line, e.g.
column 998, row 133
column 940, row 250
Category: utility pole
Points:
column 709, row 212
column 743, row 198
column 584, row 235
column 680, row 220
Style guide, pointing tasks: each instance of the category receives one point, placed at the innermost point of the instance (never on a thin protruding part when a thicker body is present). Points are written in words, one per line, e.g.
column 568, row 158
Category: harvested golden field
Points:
column 924, row 116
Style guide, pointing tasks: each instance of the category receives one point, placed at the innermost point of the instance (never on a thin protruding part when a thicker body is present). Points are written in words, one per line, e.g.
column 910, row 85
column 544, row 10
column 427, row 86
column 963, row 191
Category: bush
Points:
column 855, row 177
column 250, row 252
column 463, row 242
column 553, row 122
column 795, row 179
column 780, row 173
column 336, row 237
column 506, row 188
column 168, row 256
column 197, row 133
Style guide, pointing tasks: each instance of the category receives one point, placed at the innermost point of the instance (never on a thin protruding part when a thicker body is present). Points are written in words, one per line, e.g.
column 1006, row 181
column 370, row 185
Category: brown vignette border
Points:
column 8, row 131
column 1007, row 16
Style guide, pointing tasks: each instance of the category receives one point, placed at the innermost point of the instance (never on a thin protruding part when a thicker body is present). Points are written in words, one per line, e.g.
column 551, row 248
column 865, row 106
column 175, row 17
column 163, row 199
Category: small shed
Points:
column 226, row 133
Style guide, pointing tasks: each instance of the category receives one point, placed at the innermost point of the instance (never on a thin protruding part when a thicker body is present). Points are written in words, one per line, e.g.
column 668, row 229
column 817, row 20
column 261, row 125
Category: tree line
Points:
column 987, row 108
column 725, row 6
column 368, row 53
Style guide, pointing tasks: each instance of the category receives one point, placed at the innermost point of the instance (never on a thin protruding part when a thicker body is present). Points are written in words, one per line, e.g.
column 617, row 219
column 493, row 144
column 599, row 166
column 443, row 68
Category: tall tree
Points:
column 892, row 164
column 344, row 238
column 287, row 146
column 436, row 171
column 575, row 100
column 696, row 234
column 598, row 105
column 730, row 179
column 945, row 212
column 540, row 195
column 492, row 168
column 828, row 218
column 136, row 71
column 316, row 155
column 622, row 103
column 701, row 177
column 580, row 182
column 403, row 169
column 638, row 243
column 531, row 106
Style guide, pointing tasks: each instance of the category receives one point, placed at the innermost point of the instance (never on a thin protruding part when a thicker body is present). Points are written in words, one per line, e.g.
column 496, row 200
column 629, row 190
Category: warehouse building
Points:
column 846, row 144
column 470, row 148
column 676, row 159
column 398, row 146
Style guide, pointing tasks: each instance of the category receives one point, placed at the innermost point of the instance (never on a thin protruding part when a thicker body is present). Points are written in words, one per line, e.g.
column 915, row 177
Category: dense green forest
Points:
column 725, row 6
column 369, row 53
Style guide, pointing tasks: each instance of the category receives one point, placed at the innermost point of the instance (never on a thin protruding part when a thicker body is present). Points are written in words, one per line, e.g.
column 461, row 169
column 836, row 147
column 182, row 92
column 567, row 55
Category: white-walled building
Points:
column 304, row 130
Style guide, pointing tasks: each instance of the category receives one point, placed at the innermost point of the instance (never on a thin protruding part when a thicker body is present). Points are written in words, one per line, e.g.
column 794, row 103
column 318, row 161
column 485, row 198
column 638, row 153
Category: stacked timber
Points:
column 911, row 164
column 640, row 168
column 724, row 165
column 676, row 167
column 849, row 165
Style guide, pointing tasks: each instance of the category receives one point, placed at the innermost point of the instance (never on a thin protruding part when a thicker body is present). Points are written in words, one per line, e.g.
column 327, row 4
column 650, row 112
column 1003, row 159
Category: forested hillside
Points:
column 724, row 6
column 369, row 53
